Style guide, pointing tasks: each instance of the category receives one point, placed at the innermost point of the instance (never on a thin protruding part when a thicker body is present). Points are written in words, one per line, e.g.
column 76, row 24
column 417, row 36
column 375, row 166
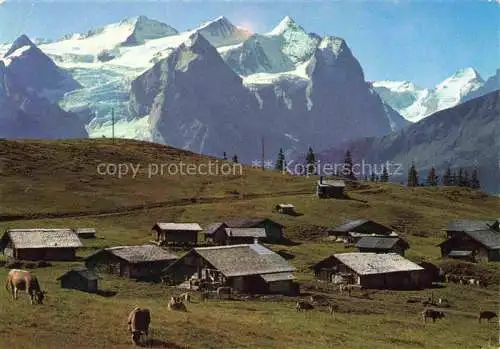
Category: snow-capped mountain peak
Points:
column 415, row 103
column 221, row 32
column 20, row 42
column 285, row 25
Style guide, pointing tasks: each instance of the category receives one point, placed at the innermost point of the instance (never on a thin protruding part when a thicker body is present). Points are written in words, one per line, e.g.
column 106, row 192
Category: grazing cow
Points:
column 186, row 297
column 224, row 290
column 22, row 280
column 332, row 308
column 488, row 315
column 204, row 295
column 433, row 314
column 472, row 282
column 176, row 303
column 303, row 305
column 138, row 324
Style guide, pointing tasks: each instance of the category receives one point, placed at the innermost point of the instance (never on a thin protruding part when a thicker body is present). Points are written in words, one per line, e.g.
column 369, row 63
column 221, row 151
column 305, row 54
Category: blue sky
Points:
column 421, row 41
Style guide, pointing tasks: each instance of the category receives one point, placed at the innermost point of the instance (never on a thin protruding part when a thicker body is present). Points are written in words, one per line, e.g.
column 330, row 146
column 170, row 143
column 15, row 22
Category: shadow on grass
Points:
column 158, row 343
column 288, row 242
column 286, row 255
column 106, row 293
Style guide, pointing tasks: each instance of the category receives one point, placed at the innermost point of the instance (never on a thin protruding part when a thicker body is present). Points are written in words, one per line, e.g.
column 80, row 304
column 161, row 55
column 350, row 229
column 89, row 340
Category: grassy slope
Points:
column 61, row 177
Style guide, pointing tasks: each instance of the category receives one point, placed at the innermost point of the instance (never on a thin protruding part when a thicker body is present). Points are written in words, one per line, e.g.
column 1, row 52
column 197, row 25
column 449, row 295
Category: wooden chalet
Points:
column 176, row 233
column 250, row 268
column 472, row 240
column 382, row 244
column 353, row 230
column 40, row 244
column 274, row 230
column 136, row 262
column 80, row 278
column 330, row 188
column 372, row 270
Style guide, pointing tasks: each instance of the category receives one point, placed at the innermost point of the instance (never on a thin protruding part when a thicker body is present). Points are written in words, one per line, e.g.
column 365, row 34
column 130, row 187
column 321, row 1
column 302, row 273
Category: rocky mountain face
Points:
column 466, row 135
column 30, row 83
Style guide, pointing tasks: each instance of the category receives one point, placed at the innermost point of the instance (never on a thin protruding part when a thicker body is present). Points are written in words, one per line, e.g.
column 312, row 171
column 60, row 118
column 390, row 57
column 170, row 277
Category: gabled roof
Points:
column 139, row 253
column 82, row 271
column 376, row 263
column 246, row 232
column 248, row 222
column 488, row 238
column 351, row 225
column 212, row 228
column 179, row 226
column 85, row 230
column 41, row 238
column 242, row 260
column 469, row 224
column 382, row 243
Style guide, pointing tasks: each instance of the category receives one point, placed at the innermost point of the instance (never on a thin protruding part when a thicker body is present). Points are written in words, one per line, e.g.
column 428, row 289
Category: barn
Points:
column 247, row 268
column 330, row 188
column 80, row 278
column 382, row 244
column 176, row 233
column 40, row 244
column 220, row 234
column 135, row 262
column 353, row 230
column 373, row 270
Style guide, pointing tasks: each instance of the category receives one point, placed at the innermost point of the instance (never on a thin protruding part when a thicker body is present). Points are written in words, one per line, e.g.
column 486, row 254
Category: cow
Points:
column 204, row 295
column 224, row 290
column 138, row 324
column 22, row 280
column 332, row 308
column 176, row 303
column 303, row 305
column 433, row 314
column 186, row 297
column 488, row 315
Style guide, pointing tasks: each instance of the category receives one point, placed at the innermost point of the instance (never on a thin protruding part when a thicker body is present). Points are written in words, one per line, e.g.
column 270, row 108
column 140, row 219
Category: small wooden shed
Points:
column 286, row 209
column 85, row 233
column 382, row 244
column 80, row 278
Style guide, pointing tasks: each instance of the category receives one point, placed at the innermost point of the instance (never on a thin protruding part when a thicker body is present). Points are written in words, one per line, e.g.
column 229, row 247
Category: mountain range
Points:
column 465, row 136
column 415, row 103
column 217, row 87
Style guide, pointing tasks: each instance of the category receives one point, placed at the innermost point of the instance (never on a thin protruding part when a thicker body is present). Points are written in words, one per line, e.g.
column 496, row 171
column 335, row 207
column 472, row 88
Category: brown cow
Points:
column 22, row 280
column 488, row 315
column 138, row 324
column 433, row 314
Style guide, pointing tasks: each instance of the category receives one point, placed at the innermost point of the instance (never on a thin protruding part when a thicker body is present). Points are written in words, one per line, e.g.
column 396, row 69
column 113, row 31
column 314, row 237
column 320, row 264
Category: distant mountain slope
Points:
column 467, row 135
column 30, row 85
column 415, row 103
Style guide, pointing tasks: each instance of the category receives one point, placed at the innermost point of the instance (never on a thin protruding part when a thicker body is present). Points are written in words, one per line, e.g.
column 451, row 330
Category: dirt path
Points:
column 134, row 208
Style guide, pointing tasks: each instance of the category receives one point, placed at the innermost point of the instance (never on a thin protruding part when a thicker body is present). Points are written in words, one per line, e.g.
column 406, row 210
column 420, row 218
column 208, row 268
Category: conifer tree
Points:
column 474, row 181
column 432, row 178
column 347, row 169
column 373, row 177
column 224, row 156
column 384, row 177
column 412, row 176
column 311, row 162
column 280, row 163
column 447, row 177
column 235, row 158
